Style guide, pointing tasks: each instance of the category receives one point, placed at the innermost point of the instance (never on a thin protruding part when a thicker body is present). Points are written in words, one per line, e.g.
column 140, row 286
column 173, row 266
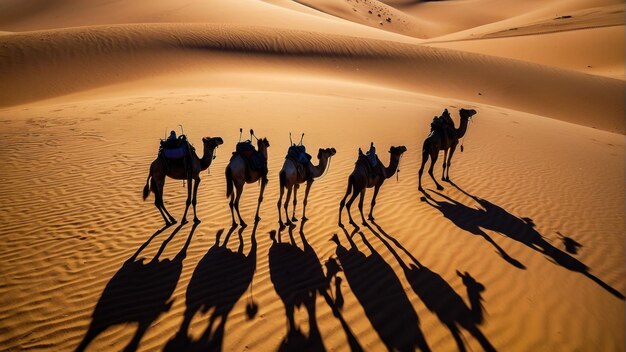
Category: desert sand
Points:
column 523, row 251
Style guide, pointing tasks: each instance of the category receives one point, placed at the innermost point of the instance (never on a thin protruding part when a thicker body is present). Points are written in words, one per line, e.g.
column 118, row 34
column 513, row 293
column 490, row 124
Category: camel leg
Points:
column 350, row 201
column 361, row 199
column 452, row 149
column 258, row 206
column 445, row 158
column 158, row 201
column 473, row 329
column 92, row 333
column 343, row 201
column 141, row 330
column 421, row 170
column 194, row 200
column 188, row 202
column 306, row 196
column 239, row 192
column 457, row 336
column 280, row 199
column 287, row 197
column 433, row 157
column 231, row 204
column 376, row 189
column 291, row 321
column 295, row 201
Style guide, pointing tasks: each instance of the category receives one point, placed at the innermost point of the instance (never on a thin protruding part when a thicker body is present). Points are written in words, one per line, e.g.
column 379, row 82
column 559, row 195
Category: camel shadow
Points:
column 138, row 292
column 298, row 278
column 220, row 279
column 381, row 294
column 494, row 218
column 468, row 219
column 439, row 297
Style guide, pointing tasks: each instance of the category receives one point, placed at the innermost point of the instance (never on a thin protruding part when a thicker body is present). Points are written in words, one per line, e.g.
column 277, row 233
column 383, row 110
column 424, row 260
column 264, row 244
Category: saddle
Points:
column 254, row 159
column 372, row 170
column 174, row 149
column 443, row 125
column 298, row 155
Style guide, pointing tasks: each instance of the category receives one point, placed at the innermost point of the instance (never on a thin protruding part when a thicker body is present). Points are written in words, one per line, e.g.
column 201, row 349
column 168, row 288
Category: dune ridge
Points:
column 148, row 47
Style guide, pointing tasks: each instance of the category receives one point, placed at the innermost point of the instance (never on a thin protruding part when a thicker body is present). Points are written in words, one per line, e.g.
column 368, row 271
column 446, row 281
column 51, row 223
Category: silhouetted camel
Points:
column 139, row 292
column 436, row 142
column 178, row 170
column 298, row 277
column 361, row 178
column 238, row 173
column 290, row 179
column 380, row 292
column 218, row 282
column 494, row 218
column 440, row 298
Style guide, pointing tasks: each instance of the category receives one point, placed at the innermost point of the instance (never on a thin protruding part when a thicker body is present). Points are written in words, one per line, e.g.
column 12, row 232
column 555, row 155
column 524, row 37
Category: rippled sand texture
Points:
column 524, row 251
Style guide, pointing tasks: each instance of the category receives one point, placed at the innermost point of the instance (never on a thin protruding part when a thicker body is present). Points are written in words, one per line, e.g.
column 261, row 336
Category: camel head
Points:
column 263, row 143
column 212, row 142
column 397, row 151
column 328, row 151
column 467, row 114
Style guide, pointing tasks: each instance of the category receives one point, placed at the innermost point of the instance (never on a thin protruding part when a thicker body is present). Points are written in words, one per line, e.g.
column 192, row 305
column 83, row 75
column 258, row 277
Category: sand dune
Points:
column 523, row 252
column 80, row 59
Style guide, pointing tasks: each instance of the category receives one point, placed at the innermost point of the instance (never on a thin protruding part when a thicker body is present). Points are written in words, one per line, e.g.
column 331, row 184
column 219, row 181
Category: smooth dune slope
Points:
column 79, row 59
column 524, row 251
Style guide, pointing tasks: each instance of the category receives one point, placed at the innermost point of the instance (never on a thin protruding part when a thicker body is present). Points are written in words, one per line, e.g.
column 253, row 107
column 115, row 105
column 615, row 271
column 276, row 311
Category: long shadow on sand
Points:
column 439, row 297
column 220, row 279
column 298, row 277
column 495, row 218
column 379, row 291
column 139, row 292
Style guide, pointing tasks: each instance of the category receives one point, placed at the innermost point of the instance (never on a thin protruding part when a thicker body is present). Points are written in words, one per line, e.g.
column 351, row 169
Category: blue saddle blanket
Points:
column 175, row 153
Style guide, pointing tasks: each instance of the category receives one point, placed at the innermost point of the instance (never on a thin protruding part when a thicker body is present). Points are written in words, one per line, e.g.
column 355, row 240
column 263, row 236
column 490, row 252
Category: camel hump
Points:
column 298, row 153
column 245, row 147
column 372, row 165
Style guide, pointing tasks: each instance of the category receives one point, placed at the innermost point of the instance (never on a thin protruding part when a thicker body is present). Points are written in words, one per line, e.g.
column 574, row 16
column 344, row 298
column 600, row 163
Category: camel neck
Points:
column 207, row 158
column 318, row 169
column 393, row 166
column 460, row 132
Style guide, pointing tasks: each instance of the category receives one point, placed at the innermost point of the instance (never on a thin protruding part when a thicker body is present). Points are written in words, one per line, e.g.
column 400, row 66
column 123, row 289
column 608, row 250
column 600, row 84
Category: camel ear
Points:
column 205, row 139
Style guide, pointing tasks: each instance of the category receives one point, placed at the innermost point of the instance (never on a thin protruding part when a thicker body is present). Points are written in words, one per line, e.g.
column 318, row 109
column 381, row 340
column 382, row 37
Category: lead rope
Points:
column 327, row 169
column 398, row 171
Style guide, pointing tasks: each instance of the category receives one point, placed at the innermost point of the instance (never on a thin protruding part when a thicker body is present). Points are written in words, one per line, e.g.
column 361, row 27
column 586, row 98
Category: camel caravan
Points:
column 177, row 159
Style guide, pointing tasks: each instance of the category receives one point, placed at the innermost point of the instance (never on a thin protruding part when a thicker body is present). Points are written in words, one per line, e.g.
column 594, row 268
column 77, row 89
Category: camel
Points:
column 238, row 173
column 290, row 179
column 361, row 178
column 160, row 168
column 435, row 142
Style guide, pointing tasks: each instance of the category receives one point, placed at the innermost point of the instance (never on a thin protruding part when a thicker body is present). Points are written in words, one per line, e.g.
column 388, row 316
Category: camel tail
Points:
column 229, row 182
column 146, row 188
column 282, row 176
